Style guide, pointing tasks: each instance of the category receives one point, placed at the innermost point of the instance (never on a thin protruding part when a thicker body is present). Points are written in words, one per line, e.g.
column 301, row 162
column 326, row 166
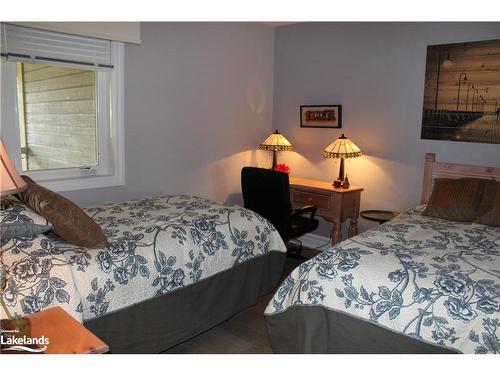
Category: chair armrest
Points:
column 306, row 209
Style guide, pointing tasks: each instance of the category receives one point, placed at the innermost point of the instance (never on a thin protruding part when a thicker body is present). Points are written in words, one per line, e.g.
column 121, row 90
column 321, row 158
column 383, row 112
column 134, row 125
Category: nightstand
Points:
column 381, row 216
column 66, row 335
column 334, row 205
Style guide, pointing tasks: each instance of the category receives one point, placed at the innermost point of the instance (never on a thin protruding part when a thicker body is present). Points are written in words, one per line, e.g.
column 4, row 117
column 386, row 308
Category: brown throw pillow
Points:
column 68, row 220
column 455, row 199
column 490, row 205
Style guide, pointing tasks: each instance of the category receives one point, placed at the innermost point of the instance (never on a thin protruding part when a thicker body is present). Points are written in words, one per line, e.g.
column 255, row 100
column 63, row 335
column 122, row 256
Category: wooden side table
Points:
column 334, row 205
column 66, row 335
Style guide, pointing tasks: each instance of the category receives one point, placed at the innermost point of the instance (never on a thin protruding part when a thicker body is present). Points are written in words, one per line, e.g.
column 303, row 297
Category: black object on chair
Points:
column 267, row 193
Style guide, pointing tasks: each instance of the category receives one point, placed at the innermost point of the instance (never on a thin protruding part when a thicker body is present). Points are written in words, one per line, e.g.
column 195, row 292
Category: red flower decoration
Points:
column 282, row 168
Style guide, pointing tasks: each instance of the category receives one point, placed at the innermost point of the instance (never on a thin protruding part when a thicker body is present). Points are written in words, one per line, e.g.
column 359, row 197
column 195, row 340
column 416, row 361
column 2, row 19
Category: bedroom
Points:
column 197, row 99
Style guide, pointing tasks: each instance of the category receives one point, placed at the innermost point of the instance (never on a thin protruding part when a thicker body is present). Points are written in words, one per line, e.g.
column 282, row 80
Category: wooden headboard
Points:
column 433, row 170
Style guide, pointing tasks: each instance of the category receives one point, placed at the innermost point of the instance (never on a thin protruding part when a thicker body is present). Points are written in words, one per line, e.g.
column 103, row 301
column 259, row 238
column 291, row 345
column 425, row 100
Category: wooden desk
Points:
column 334, row 205
column 66, row 335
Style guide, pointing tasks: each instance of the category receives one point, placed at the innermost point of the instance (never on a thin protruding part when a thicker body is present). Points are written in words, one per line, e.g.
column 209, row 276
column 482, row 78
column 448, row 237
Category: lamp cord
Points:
column 4, row 277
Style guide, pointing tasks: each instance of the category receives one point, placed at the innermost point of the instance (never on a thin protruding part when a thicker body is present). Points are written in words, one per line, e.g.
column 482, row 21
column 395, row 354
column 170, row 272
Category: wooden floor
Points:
column 244, row 333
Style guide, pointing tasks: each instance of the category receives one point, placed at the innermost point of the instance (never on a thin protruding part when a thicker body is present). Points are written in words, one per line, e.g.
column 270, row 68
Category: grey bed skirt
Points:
column 315, row 329
column 160, row 323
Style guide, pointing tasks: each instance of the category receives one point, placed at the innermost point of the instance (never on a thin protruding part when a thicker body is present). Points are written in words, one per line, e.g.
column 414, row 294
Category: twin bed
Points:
column 413, row 285
column 176, row 266
column 179, row 265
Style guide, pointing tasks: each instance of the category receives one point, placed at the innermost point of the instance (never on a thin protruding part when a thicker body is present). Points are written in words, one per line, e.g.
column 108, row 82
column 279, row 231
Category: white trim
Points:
column 129, row 32
column 118, row 108
column 36, row 45
column 112, row 171
column 8, row 110
column 82, row 183
column 314, row 241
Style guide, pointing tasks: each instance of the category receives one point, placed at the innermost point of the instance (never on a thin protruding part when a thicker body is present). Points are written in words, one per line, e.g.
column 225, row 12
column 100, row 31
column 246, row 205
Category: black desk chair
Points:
column 267, row 193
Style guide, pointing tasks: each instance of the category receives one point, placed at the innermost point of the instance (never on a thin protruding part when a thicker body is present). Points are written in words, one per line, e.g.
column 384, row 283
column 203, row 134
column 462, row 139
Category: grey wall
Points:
column 198, row 99
column 376, row 71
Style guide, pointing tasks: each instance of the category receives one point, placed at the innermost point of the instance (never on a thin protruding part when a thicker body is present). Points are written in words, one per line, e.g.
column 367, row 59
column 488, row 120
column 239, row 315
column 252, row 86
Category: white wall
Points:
column 198, row 100
column 376, row 71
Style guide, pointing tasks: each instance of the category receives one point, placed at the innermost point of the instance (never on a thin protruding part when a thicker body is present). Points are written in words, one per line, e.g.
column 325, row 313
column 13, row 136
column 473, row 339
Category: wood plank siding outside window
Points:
column 57, row 116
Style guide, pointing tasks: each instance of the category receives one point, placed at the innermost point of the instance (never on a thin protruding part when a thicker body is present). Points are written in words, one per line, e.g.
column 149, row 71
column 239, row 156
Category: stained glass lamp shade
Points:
column 276, row 142
column 342, row 148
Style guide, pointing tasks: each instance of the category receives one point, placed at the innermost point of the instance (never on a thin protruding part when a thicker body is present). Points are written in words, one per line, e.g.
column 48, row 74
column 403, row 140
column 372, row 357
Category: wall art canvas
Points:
column 462, row 92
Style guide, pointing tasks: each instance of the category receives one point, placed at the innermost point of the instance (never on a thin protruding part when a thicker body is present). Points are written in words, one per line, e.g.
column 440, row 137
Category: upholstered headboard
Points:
column 433, row 170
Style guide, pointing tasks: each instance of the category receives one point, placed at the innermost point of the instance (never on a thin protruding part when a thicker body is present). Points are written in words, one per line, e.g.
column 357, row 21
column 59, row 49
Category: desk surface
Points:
column 321, row 185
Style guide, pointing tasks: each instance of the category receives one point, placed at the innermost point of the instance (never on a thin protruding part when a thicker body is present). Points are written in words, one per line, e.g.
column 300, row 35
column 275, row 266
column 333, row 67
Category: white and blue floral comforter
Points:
column 157, row 245
column 431, row 279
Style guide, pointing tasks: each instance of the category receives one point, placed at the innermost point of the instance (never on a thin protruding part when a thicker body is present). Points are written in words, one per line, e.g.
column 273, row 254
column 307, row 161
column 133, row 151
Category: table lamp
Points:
column 276, row 142
column 10, row 183
column 342, row 148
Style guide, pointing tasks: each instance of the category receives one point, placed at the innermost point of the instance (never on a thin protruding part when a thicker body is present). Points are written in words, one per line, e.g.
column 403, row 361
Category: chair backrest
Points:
column 267, row 192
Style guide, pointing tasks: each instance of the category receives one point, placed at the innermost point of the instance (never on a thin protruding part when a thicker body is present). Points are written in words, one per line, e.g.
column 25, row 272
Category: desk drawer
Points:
column 303, row 198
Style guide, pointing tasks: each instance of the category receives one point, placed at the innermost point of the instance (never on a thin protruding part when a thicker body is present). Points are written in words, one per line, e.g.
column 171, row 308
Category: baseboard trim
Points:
column 314, row 241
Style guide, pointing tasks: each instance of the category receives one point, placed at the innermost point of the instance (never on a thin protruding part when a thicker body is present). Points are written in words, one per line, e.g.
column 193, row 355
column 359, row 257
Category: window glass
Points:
column 57, row 117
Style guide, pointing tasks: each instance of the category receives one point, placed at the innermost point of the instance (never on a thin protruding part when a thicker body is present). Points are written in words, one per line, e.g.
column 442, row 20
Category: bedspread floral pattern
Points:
column 431, row 279
column 156, row 246
column 38, row 277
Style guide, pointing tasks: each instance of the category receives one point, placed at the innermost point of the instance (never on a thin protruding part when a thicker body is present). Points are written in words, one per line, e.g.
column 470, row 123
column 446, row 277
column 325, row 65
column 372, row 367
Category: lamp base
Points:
column 341, row 170
column 16, row 327
column 14, row 330
column 5, row 203
column 337, row 184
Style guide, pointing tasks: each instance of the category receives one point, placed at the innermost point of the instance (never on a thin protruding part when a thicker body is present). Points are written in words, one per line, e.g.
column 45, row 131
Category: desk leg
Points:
column 353, row 227
column 336, row 234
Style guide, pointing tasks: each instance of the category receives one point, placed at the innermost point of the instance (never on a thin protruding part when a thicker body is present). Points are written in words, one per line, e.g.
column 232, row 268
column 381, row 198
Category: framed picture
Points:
column 462, row 92
column 321, row 116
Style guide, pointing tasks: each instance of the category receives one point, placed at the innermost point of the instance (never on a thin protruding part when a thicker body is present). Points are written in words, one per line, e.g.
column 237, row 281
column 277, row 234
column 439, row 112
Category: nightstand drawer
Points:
column 302, row 198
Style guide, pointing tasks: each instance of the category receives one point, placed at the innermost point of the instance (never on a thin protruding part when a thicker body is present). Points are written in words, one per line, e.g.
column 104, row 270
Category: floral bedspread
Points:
column 431, row 279
column 157, row 245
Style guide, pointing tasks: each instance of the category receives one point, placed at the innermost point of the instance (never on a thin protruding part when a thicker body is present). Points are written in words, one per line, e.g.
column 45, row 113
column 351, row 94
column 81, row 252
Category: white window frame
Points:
column 111, row 168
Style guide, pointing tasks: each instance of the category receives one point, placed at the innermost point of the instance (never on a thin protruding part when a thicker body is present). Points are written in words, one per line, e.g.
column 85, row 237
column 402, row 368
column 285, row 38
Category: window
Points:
column 57, row 117
column 61, row 117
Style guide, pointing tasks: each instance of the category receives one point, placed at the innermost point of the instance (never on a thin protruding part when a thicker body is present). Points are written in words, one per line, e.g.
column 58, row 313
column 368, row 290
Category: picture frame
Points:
column 461, row 95
column 321, row 116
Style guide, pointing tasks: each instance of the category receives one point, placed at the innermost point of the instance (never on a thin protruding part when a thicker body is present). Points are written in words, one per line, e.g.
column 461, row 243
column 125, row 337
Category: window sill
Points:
column 83, row 183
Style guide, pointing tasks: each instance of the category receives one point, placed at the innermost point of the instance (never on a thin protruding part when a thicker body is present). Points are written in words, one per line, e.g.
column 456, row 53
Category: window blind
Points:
column 26, row 44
